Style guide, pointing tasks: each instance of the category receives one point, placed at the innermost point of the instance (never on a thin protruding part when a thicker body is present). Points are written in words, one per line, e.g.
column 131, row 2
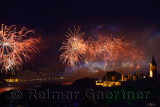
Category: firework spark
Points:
column 13, row 47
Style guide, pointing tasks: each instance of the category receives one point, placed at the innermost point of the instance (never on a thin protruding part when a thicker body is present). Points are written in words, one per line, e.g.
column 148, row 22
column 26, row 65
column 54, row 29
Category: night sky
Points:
column 136, row 20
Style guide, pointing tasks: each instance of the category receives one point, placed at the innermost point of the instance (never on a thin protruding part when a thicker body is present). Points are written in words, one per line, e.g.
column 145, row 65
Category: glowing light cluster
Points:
column 111, row 50
column 14, row 47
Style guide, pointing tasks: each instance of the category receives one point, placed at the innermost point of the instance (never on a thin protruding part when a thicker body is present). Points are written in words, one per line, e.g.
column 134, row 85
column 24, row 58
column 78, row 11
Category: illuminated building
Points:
column 11, row 80
column 111, row 79
column 115, row 79
column 153, row 69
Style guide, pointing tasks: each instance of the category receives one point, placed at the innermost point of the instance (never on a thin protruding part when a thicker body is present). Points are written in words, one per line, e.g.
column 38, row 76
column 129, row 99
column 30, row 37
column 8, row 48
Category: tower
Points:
column 122, row 78
column 153, row 69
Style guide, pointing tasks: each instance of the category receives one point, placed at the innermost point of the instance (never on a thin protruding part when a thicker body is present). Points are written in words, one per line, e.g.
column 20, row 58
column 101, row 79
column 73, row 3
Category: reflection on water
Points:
column 7, row 89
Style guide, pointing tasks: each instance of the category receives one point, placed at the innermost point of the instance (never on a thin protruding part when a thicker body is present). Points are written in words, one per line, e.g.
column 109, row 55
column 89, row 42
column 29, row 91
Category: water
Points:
column 3, row 89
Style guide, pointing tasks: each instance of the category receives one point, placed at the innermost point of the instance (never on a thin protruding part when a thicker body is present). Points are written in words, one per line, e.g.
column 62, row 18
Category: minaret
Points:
column 122, row 78
column 153, row 69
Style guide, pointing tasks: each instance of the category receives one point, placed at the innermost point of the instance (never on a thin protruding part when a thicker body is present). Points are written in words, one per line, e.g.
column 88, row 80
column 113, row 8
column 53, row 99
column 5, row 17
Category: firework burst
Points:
column 74, row 48
column 14, row 46
column 108, row 49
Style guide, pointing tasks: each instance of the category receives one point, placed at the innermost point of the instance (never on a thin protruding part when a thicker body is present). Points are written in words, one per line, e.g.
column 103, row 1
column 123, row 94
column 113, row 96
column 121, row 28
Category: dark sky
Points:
column 136, row 20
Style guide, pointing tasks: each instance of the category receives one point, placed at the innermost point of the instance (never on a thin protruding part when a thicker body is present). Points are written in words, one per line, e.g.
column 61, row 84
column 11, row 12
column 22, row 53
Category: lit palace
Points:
column 113, row 78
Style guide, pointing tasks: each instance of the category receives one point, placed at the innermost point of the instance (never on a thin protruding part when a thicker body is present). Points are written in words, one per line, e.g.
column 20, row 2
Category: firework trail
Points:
column 108, row 49
column 14, row 46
